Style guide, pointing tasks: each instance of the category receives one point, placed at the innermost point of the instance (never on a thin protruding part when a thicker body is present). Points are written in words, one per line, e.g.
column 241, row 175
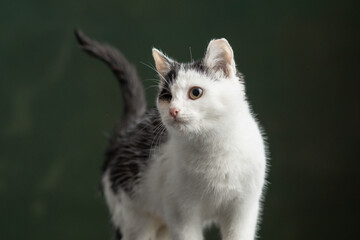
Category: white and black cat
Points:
column 198, row 157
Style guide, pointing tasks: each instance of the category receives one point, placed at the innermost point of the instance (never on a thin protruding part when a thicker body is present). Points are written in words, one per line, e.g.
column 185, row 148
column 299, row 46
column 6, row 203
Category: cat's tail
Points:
column 132, row 89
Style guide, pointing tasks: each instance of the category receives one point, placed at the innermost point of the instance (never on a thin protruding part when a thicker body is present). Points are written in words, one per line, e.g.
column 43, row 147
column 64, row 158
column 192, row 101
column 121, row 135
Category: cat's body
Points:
column 197, row 158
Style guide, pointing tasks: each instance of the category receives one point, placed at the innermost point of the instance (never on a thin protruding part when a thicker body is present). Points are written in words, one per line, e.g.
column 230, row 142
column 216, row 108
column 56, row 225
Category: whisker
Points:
column 158, row 134
column 152, row 80
column 154, row 69
column 152, row 86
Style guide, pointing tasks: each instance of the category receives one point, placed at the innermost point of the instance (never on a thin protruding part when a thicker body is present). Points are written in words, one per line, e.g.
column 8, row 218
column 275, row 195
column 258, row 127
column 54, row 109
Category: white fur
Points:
column 211, row 169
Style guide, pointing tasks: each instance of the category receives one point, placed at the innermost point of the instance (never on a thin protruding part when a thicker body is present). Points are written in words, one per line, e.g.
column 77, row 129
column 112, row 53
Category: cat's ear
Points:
column 219, row 56
column 162, row 62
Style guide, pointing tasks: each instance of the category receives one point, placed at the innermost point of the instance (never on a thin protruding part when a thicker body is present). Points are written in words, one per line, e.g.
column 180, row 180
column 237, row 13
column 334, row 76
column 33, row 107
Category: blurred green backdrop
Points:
column 301, row 63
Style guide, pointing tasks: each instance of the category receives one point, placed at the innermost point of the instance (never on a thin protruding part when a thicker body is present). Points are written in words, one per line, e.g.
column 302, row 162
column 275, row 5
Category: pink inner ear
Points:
column 220, row 56
column 162, row 63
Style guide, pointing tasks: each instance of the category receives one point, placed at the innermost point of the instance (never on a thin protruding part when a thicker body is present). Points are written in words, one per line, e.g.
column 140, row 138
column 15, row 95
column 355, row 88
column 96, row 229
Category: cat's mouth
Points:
column 178, row 122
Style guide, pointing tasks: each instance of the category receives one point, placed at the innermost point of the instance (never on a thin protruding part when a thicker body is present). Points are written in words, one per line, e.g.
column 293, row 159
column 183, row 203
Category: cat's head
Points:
column 201, row 96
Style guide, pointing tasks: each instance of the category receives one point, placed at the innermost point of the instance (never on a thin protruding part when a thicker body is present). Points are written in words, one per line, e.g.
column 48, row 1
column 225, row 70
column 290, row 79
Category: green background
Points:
column 301, row 65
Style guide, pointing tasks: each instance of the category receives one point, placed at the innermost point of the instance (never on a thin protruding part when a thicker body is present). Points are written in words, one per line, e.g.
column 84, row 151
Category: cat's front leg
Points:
column 184, row 224
column 239, row 220
column 186, row 232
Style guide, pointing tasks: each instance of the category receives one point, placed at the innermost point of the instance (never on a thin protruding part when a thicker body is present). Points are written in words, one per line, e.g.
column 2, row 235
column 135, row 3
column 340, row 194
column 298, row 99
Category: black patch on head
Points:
column 197, row 66
column 171, row 76
column 169, row 79
column 165, row 94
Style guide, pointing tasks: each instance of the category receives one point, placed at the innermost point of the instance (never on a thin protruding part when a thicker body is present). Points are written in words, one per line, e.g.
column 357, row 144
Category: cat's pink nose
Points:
column 174, row 112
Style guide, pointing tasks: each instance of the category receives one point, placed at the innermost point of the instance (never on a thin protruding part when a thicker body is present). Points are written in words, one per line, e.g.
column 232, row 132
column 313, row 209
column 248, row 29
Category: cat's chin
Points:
column 179, row 125
column 186, row 130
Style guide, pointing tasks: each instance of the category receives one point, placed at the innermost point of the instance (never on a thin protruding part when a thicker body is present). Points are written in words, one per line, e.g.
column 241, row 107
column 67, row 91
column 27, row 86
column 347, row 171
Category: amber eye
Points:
column 195, row 93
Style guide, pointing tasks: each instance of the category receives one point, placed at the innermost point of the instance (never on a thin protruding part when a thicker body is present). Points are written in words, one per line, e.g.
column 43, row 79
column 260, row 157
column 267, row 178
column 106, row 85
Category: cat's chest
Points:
column 212, row 185
column 212, row 171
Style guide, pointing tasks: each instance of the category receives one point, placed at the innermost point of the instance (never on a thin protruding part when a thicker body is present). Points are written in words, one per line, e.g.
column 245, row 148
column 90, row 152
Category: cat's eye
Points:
column 195, row 93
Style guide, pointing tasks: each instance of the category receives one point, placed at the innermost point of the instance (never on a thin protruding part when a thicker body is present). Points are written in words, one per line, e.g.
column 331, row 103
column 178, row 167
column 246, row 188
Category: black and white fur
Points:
column 166, row 176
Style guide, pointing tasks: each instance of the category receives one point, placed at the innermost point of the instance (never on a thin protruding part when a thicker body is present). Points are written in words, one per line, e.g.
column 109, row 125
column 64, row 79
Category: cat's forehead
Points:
column 191, row 76
column 186, row 72
column 182, row 76
column 197, row 66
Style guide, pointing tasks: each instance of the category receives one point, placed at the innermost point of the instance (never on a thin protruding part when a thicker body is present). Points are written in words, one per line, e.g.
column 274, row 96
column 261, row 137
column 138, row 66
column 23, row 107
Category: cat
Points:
column 195, row 159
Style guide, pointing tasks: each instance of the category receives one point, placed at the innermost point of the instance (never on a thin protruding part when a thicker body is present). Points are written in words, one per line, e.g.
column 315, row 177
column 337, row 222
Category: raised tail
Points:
column 132, row 89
